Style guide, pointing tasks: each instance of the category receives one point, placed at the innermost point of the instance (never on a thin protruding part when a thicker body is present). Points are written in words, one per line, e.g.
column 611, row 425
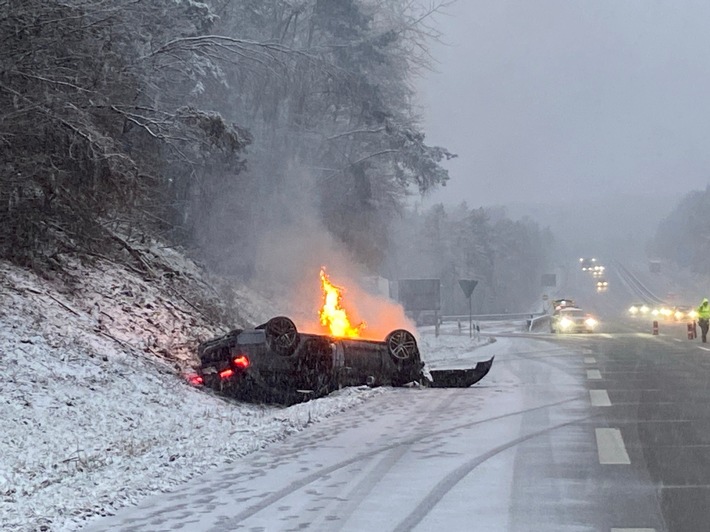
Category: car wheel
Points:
column 281, row 335
column 401, row 345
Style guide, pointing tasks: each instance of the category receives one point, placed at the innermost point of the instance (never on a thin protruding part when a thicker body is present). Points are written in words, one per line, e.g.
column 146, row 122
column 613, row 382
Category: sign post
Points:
column 467, row 285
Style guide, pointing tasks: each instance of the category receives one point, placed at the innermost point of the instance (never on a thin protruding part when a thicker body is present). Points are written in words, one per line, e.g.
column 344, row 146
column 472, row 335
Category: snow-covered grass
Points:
column 96, row 413
column 94, row 409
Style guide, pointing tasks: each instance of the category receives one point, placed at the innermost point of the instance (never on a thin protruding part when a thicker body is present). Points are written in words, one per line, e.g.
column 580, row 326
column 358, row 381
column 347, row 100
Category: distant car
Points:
column 663, row 311
column 571, row 320
column 602, row 284
column 639, row 309
column 685, row 313
column 273, row 362
column 587, row 264
column 598, row 270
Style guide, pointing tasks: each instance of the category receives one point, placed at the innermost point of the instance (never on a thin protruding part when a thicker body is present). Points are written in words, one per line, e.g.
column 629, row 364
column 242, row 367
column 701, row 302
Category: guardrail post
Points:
column 655, row 327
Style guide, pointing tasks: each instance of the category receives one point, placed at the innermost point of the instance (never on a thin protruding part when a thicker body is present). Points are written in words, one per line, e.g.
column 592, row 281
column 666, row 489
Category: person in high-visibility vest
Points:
column 704, row 318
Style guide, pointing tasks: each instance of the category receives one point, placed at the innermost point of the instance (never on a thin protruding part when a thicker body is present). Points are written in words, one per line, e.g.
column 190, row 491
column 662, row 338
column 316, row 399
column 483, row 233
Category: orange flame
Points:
column 332, row 315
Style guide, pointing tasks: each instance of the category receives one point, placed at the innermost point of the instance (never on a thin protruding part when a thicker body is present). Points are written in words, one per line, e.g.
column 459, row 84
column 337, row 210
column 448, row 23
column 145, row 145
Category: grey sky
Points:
column 565, row 99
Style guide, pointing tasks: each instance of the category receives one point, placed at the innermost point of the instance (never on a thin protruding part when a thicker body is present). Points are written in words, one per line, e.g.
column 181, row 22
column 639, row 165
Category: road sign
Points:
column 420, row 294
column 467, row 285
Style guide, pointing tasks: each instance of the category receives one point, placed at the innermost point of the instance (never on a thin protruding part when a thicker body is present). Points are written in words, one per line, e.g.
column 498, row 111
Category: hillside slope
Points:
column 96, row 411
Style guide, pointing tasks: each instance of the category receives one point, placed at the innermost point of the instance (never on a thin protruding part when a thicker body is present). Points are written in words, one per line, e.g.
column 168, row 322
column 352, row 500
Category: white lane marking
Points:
column 610, row 446
column 703, row 348
column 677, row 340
column 593, row 374
column 605, row 335
column 633, row 530
column 590, row 360
column 599, row 398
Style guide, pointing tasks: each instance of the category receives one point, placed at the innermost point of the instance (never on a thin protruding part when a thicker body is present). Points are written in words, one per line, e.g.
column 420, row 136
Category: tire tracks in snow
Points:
column 442, row 487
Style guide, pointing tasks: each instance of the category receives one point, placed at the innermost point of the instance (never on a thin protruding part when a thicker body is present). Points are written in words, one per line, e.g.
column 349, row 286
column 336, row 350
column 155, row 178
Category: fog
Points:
column 598, row 107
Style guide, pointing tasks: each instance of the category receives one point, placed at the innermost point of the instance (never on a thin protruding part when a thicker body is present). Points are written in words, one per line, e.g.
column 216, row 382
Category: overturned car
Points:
column 275, row 363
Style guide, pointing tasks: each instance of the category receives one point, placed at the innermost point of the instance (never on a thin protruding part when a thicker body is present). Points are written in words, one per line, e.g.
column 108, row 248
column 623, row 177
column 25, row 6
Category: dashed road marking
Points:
column 605, row 335
column 593, row 374
column 610, row 446
column 590, row 360
column 633, row 530
column 677, row 340
column 703, row 348
column 599, row 398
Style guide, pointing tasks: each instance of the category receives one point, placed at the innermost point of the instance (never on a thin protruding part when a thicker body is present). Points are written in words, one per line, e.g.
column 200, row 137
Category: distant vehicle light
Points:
column 693, row 314
column 566, row 323
column 634, row 309
column 644, row 309
column 591, row 323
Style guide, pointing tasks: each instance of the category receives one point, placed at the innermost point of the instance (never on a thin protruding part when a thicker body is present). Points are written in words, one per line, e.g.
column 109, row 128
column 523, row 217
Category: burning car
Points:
column 274, row 362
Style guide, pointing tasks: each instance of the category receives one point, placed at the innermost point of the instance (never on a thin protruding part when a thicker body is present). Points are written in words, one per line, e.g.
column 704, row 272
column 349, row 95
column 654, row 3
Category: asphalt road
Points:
column 601, row 432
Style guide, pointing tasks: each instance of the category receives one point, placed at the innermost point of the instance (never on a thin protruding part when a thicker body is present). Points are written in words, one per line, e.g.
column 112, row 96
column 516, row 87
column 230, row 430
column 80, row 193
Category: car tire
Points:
column 402, row 346
column 281, row 335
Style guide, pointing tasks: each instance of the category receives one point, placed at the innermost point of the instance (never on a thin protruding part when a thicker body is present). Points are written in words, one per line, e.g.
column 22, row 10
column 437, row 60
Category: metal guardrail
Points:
column 495, row 317
column 534, row 321
column 636, row 286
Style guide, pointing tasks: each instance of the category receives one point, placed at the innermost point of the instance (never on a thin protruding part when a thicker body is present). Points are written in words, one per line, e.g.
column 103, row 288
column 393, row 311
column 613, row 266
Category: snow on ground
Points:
column 96, row 414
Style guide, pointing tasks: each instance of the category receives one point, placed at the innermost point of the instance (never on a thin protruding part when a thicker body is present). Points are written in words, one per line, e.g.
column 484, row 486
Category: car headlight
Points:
column 678, row 315
column 591, row 323
column 644, row 309
column 693, row 314
column 633, row 309
column 566, row 323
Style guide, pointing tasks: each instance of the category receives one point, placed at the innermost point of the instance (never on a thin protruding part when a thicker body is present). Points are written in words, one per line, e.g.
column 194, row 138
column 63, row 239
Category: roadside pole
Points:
column 467, row 285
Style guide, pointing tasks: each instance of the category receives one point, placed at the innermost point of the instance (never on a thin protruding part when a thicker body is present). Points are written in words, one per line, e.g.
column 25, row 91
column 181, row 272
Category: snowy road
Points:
column 519, row 451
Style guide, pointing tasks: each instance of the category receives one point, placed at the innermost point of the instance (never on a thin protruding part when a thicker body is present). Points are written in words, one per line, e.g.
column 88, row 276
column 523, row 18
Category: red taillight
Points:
column 195, row 380
column 242, row 362
column 225, row 374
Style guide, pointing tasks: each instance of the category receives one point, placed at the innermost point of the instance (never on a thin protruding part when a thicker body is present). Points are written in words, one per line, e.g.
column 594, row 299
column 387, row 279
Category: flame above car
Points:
column 332, row 315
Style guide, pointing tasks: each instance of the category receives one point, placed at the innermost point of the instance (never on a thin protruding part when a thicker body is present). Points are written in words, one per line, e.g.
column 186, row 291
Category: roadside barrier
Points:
column 534, row 321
